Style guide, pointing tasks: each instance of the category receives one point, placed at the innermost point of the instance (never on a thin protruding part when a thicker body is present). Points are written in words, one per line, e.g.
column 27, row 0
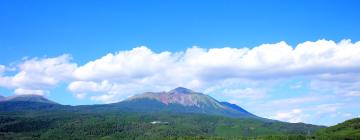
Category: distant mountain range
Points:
column 186, row 113
column 178, row 100
column 26, row 102
column 183, row 100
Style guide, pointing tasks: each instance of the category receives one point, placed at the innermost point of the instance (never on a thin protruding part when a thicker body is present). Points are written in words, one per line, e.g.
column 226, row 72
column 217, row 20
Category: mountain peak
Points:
column 186, row 100
column 180, row 96
column 29, row 98
column 181, row 90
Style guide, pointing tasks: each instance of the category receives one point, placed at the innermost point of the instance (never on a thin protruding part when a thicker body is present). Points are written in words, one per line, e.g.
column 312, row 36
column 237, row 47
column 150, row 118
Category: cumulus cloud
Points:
column 37, row 75
column 81, row 88
column 325, row 75
column 116, row 76
column 200, row 68
column 137, row 63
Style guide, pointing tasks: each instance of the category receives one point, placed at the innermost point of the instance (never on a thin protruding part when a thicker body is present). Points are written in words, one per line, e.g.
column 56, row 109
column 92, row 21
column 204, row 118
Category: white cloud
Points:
column 81, row 88
column 36, row 76
column 20, row 91
column 116, row 76
column 202, row 69
column 329, row 73
column 137, row 63
column 293, row 116
column 107, row 92
column 318, row 113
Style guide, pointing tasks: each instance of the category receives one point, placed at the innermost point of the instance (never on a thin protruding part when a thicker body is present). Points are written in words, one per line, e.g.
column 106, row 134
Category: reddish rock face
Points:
column 197, row 102
column 180, row 96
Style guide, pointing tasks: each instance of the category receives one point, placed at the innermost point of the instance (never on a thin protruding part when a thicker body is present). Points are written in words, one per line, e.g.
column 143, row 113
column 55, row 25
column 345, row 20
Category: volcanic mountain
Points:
column 26, row 102
column 178, row 100
column 27, row 98
column 183, row 111
column 183, row 100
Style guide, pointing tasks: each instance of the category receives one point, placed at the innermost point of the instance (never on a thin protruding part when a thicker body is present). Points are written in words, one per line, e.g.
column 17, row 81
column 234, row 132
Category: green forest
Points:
column 107, row 125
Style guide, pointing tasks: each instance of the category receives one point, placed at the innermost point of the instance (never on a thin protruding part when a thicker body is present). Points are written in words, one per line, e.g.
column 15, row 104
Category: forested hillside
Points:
column 125, row 125
column 349, row 129
column 36, row 118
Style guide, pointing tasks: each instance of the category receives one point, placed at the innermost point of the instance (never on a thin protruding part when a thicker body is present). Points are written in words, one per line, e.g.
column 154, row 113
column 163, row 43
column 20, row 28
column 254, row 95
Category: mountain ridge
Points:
column 27, row 98
column 28, row 102
column 180, row 100
column 207, row 117
column 350, row 129
column 185, row 100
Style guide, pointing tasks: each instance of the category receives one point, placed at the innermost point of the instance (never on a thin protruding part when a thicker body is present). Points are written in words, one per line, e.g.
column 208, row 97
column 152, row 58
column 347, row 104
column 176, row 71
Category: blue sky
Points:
column 41, row 32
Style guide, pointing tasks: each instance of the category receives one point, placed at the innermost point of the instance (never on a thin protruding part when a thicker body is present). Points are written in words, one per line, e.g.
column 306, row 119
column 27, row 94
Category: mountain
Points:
column 122, row 125
column 183, row 100
column 180, row 96
column 28, row 98
column 349, row 129
column 186, row 115
column 26, row 102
